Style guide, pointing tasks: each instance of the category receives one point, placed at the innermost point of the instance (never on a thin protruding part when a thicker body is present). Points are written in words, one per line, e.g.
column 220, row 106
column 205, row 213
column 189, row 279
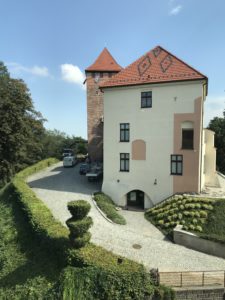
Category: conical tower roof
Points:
column 105, row 62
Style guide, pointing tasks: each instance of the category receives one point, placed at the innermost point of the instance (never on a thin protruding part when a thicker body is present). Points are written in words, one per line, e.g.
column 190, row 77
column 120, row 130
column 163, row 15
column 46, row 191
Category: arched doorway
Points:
column 136, row 198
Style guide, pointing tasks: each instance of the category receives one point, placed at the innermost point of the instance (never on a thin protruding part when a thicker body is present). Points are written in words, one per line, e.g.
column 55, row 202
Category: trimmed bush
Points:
column 79, row 227
column 80, row 241
column 192, row 212
column 106, row 204
column 79, row 209
column 101, row 284
column 79, row 223
column 51, row 233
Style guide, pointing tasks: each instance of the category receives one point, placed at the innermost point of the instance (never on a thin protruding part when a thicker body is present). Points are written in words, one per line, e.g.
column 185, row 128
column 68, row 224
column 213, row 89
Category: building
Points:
column 102, row 69
column 154, row 141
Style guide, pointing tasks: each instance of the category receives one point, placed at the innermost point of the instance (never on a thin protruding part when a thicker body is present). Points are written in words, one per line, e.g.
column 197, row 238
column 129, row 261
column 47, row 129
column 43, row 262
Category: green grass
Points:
column 106, row 204
column 214, row 228
column 27, row 271
column 193, row 213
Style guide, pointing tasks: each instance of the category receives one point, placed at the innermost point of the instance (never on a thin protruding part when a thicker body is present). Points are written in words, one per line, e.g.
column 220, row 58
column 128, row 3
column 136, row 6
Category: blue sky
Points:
column 49, row 43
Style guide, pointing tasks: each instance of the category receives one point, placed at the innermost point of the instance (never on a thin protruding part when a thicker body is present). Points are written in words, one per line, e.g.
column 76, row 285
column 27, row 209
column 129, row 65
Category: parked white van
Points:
column 69, row 161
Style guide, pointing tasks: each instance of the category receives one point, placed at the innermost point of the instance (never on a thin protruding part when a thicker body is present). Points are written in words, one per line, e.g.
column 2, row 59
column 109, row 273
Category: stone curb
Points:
column 101, row 212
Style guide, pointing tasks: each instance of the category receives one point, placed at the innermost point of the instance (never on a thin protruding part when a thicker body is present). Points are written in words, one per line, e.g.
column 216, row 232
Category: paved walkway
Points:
column 57, row 185
column 215, row 192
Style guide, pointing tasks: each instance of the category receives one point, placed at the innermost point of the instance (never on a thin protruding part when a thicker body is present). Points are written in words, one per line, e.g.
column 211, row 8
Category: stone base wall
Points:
column 200, row 294
column 192, row 241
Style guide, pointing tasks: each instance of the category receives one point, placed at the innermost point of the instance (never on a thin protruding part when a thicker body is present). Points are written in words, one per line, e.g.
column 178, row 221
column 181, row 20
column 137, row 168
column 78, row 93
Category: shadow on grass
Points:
column 39, row 260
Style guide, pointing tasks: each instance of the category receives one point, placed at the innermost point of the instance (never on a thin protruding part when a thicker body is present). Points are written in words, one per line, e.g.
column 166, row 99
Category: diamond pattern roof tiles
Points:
column 156, row 66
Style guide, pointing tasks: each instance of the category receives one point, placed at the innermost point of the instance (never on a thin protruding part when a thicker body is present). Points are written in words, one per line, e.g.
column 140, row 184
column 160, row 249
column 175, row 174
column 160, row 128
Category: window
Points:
column 124, row 132
column 187, row 138
column 124, row 162
column 176, row 164
column 146, row 99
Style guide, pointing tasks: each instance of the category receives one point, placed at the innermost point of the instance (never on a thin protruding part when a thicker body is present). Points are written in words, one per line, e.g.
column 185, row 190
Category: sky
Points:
column 49, row 43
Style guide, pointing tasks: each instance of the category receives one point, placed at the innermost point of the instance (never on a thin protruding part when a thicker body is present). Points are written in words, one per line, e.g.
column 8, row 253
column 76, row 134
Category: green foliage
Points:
column 45, row 241
column 214, row 226
column 79, row 223
column 36, row 168
column 51, row 233
column 79, row 209
column 27, row 271
column 80, row 241
column 79, row 227
column 192, row 212
column 55, row 141
column 106, row 204
column 21, row 129
column 96, row 283
column 93, row 255
column 218, row 126
column 164, row 293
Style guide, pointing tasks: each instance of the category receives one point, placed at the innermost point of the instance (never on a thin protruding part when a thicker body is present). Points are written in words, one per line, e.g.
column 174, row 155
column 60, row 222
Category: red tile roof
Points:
column 156, row 66
column 105, row 62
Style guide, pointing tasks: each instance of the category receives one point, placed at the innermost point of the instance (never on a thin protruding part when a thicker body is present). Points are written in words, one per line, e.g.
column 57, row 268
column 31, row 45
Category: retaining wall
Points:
column 206, row 293
column 192, row 241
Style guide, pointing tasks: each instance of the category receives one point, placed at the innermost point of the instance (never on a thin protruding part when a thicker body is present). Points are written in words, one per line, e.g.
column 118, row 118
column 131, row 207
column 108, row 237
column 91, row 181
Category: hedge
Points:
column 100, row 284
column 94, row 283
column 106, row 204
column 79, row 209
column 51, row 233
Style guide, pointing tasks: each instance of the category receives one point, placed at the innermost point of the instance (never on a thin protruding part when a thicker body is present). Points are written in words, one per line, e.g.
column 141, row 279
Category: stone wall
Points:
column 200, row 294
column 192, row 241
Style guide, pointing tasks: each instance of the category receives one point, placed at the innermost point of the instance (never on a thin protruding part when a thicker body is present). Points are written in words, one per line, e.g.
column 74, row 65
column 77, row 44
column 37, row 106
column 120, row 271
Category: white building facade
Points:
column 154, row 144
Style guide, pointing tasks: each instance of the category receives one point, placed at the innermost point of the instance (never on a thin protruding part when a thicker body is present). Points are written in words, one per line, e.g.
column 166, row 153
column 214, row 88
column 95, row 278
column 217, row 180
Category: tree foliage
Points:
column 218, row 126
column 21, row 128
column 55, row 141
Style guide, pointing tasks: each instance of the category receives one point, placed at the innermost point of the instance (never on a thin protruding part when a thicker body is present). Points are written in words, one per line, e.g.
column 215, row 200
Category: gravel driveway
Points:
column 57, row 185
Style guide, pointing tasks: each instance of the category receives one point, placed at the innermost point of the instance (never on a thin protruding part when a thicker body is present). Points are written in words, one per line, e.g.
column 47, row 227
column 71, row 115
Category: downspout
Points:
column 205, row 92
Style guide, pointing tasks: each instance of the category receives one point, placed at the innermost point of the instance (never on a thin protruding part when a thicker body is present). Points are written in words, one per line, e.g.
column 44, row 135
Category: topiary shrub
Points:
column 79, row 209
column 79, row 223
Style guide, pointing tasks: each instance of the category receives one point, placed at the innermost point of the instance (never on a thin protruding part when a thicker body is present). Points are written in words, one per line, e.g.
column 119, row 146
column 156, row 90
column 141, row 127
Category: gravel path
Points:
column 57, row 185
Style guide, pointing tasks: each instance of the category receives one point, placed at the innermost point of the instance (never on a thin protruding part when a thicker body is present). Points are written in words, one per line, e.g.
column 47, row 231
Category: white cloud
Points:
column 35, row 70
column 175, row 10
column 73, row 74
column 214, row 107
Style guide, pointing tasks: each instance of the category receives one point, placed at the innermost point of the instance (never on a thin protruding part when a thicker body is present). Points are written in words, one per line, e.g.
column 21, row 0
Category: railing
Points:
column 195, row 278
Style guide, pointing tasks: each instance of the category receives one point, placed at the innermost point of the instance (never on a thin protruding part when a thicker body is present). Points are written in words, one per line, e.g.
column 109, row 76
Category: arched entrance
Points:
column 136, row 198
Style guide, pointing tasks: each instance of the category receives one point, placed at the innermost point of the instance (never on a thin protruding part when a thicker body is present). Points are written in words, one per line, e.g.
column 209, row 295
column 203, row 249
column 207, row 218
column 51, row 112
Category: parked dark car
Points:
column 84, row 169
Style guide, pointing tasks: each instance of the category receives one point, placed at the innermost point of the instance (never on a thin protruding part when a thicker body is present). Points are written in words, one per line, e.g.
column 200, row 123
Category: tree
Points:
column 218, row 126
column 54, row 141
column 21, row 128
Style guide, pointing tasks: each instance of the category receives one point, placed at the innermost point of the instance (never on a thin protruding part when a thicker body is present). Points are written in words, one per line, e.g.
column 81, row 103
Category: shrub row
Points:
column 106, row 204
column 51, row 233
column 100, row 284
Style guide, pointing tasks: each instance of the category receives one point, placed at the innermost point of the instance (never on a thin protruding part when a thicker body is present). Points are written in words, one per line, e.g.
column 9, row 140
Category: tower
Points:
column 102, row 69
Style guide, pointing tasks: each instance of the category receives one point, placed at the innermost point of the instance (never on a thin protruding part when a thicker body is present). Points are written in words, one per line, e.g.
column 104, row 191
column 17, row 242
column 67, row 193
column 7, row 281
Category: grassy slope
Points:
column 214, row 228
column 26, row 271
column 200, row 215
